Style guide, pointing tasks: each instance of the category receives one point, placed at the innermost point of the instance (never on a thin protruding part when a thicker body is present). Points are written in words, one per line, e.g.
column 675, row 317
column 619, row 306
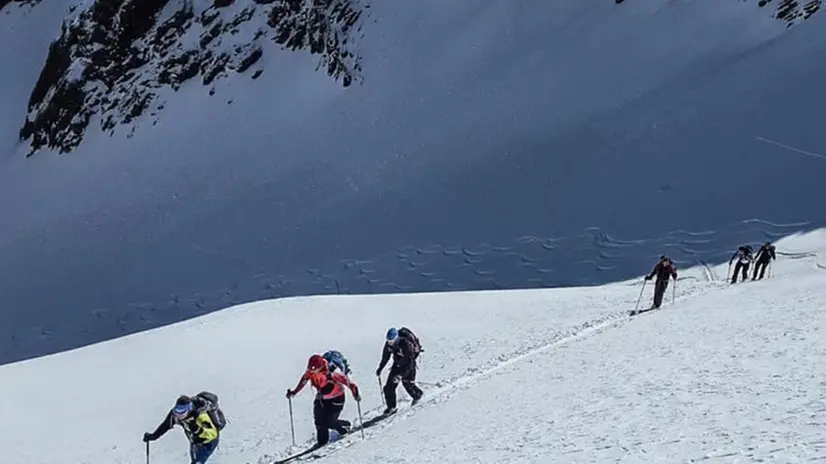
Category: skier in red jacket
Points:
column 329, row 400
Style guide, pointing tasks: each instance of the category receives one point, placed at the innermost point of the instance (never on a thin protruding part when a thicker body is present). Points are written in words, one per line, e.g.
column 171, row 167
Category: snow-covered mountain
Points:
column 113, row 56
column 727, row 374
column 504, row 145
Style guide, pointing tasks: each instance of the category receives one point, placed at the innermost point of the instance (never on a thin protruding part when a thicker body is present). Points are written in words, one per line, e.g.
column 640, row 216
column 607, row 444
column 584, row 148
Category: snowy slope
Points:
column 516, row 376
column 504, row 146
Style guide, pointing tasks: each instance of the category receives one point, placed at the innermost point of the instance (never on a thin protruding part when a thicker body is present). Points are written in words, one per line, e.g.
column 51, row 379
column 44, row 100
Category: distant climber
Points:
column 404, row 347
column 329, row 400
column 764, row 256
column 744, row 256
column 201, row 419
column 664, row 269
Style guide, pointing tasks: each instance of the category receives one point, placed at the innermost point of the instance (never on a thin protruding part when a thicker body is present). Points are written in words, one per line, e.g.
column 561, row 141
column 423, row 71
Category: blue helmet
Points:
column 183, row 406
column 392, row 334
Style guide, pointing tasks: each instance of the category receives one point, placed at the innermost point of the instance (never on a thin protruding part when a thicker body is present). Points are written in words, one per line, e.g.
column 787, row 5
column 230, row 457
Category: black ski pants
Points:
column 740, row 267
column 761, row 266
column 660, row 285
column 407, row 377
column 325, row 415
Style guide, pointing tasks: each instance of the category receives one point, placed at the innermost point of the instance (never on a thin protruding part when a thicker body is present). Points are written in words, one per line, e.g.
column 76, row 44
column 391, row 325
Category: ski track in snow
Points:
column 515, row 376
column 446, row 389
column 779, row 409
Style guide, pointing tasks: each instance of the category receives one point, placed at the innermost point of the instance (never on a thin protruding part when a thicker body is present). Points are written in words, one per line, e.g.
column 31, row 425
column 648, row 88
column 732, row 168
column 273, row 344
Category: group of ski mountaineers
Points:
column 665, row 268
column 202, row 419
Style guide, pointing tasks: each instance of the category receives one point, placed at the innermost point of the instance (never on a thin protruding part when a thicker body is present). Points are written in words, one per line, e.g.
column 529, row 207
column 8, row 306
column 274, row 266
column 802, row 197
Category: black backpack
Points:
column 212, row 408
column 414, row 340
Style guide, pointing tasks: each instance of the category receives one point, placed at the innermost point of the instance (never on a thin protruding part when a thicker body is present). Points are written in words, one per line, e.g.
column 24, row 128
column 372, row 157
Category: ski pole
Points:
column 147, row 452
column 674, row 292
column 637, row 306
column 378, row 379
column 728, row 273
column 292, row 426
column 361, row 418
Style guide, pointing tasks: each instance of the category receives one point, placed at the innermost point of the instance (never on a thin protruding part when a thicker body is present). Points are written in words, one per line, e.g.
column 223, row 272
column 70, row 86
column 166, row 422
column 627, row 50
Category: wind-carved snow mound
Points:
column 113, row 57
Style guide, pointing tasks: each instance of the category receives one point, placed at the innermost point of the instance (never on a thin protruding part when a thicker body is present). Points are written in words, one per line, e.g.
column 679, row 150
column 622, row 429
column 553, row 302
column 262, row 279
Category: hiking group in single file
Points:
column 202, row 419
column 665, row 269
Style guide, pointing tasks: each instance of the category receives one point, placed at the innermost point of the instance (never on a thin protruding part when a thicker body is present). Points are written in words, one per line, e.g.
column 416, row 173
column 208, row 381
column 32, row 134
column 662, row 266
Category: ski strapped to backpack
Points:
column 408, row 334
column 212, row 408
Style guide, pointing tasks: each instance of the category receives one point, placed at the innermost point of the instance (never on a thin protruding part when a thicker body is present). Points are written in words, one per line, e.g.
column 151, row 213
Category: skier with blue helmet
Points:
column 404, row 347
column 201, row 420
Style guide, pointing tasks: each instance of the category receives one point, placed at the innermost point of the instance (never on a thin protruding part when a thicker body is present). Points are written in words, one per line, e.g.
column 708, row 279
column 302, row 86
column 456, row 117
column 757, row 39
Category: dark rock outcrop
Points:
column 113, row 59
column 793, row 11
column 3, row 3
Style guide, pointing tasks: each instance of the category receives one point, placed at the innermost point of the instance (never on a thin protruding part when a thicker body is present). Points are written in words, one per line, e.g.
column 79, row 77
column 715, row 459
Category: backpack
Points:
column 414, row 340
column 215, row 414
column 338, row 360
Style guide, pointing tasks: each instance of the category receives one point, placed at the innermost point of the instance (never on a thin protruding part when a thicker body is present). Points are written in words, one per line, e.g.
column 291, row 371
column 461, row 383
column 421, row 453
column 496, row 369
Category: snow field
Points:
column 728, row 375
column 249, row 355
column 516, row 376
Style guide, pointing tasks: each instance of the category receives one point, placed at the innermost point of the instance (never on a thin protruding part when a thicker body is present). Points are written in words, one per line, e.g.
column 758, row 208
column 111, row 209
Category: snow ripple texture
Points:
column 590, row 258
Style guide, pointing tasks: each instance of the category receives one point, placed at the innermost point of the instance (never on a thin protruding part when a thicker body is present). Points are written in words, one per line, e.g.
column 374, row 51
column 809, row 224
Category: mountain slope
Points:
column 517, row 376
column 504, row 146
column 114, row 57
column 727, row 375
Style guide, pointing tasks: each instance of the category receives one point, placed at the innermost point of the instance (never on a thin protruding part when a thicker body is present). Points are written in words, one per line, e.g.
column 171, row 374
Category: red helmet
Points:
column 317, row 363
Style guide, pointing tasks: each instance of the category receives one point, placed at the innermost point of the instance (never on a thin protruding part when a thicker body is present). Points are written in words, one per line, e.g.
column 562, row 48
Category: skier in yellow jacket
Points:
column 198, row 417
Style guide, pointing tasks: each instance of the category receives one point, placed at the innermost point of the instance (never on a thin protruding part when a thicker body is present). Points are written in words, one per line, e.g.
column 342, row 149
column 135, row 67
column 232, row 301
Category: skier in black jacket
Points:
column 404, row 351
column 744, row 256
column 664, row 269
column 764, row 255
column 200, row 427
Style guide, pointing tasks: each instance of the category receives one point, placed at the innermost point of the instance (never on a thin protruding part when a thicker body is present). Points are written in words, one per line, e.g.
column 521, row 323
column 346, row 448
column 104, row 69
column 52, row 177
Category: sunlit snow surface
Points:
column 563, row 375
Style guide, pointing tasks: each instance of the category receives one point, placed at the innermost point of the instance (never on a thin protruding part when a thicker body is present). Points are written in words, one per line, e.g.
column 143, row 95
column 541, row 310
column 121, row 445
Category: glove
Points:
column 290, row 393
column 147, row 437
column 378, row 372
column 357, row 397
column 648, row 277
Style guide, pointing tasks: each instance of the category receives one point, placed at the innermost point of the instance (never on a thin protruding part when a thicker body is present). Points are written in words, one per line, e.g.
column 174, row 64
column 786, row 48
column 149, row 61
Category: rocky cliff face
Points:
column 113, row 58
column 792, row 11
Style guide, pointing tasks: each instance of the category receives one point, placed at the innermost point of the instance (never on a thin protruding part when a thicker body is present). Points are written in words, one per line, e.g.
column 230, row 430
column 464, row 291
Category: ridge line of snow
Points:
column 791, row 148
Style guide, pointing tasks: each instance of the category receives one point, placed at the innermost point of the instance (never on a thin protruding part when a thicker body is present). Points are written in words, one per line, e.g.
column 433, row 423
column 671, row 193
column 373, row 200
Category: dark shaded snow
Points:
column 504, row 145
